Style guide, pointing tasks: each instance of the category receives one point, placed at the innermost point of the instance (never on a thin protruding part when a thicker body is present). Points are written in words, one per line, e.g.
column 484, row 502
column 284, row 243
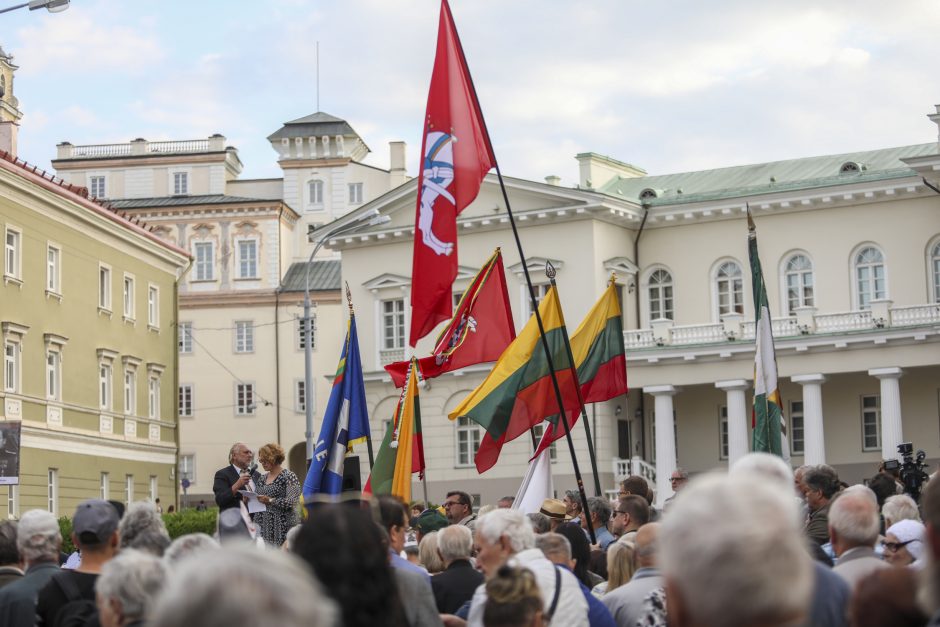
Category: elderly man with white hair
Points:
column 899, row 507
column 853, row 527
column 38, row 539
column 721, row 580
column 504, row 536
column 127, row 587
column 456, row 584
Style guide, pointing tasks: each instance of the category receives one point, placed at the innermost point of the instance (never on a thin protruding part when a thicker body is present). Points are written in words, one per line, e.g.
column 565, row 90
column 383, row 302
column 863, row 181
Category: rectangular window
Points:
column 723, row 432
column 12, row 253
column 300, row 396
column 52, row 492
column 186, row 400
column 11, row 366
column 796, row 428
column 180, row 183
column 313, row 333
column 128, row 490
column 153, row 306
column 128, row 297
column 104, row 287
column 153, row 401
column 53, row 375
column 244, row 337
column 204, row 252
column 186, row 337
column 53, row 270
column 468, row 441
column 96, row 187
column 247, row 259
column 154, row 488
column 105, row 487
column 104, row 385
column 188, row 467
column 245, row 399
column 538, row 430
column 540, row 292
column 871, row 422
column 315, row 192
column 355, row 193
column 13, row 501
column 130, row 391
column 393, row 323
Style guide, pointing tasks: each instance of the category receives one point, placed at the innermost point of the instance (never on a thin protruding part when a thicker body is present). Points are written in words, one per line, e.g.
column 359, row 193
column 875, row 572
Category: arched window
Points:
column 935, row 271
column 869, row 276
column 729, row 282
column 660, row 295
column 315, row 192
column 798, row 278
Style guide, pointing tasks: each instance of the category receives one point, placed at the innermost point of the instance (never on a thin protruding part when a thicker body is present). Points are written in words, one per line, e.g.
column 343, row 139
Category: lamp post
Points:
column 369, row 219
column 53, row 6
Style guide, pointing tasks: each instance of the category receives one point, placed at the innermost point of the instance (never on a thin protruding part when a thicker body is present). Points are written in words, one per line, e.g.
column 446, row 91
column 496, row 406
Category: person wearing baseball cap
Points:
column 94, row 532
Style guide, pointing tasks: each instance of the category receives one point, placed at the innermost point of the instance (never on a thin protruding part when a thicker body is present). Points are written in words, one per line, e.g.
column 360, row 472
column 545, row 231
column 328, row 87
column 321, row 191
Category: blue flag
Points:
column 345, row 421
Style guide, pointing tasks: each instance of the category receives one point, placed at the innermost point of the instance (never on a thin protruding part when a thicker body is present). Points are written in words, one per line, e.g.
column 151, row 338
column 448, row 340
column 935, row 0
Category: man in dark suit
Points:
column 234, row 477
column 456, row 584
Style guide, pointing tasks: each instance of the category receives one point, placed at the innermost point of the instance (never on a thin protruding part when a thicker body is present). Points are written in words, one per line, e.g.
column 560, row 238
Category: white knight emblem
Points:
column 438, row 170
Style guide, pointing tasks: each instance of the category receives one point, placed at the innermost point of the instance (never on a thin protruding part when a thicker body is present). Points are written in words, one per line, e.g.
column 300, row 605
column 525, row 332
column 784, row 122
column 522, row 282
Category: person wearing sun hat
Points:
column 556, row 511
column 904, row 544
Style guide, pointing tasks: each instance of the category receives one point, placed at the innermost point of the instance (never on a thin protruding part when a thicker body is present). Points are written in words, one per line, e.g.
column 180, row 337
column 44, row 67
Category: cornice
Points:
column 248, row 298
column 140, row 160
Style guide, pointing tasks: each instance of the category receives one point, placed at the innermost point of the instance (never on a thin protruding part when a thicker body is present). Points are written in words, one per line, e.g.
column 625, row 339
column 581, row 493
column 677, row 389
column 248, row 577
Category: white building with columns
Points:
column 850, row 246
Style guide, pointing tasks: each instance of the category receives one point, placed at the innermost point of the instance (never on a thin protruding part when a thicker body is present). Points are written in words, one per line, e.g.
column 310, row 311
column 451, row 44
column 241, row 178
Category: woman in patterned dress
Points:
column 279, row 490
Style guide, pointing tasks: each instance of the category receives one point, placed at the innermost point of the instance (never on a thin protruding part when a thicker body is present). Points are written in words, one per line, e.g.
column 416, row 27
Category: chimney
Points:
column 397, row 172
column 597, row 170
column 553, row 179
column 8, row 131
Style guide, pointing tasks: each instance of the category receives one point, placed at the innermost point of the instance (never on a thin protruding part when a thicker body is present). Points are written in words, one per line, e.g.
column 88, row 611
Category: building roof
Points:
column 316, row 124
column 184, row 201
column 324, row 275
column 762, row 178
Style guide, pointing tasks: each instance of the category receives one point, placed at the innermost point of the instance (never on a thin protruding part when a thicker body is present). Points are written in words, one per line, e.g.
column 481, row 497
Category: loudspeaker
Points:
column 352, row 481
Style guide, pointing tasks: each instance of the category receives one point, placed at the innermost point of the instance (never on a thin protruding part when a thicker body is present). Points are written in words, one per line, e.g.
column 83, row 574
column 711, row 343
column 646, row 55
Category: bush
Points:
column 190, row 521
column 65, row 528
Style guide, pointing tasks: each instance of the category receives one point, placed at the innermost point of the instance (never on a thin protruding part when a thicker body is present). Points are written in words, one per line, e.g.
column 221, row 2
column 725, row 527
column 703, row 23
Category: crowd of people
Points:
column 757, row 545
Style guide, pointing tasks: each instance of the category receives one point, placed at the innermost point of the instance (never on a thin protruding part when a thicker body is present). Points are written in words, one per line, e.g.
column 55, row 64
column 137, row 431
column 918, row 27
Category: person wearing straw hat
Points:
column 556, row 511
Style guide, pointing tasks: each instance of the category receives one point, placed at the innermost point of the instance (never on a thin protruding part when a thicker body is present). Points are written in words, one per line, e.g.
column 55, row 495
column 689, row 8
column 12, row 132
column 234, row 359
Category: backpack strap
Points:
column 554, row 605
column 68, row 587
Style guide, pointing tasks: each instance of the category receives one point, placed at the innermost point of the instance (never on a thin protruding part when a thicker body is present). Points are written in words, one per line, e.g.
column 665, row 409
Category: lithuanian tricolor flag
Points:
column 518, row 392
column 401, row 452
column 599, row 357
column 769, row 430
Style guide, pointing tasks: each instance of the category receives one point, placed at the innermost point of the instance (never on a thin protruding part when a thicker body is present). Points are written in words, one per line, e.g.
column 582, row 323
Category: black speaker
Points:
column 352, row 481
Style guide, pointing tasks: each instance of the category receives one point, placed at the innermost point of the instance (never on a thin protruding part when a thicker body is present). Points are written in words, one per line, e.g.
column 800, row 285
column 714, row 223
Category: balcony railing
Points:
column 140, row 147
column 101, row 150
column 806, row 322
column 390, row 356
column 624, row 468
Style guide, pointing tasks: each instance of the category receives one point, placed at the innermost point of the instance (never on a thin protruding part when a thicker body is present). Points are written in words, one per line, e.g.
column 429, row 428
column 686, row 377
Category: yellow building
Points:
column 87, row 316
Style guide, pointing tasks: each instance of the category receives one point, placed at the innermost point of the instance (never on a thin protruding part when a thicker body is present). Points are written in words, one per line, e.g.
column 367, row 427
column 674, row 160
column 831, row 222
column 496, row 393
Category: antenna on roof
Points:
column 318, row 76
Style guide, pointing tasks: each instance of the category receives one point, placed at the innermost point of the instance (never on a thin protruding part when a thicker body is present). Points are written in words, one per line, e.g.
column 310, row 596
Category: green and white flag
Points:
column 769, row 431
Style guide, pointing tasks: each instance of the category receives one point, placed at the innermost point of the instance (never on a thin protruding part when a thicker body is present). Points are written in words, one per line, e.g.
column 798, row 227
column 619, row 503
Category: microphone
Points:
column 252, row 469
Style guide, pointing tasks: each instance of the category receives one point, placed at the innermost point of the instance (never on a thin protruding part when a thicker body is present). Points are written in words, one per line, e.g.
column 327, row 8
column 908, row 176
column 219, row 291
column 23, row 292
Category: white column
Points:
column 814, row 443
column 665, row 439
column 737, row 418
column 891, row 432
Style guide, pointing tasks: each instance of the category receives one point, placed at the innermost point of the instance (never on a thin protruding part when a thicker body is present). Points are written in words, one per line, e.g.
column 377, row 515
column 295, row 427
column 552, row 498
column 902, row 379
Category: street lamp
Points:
column 369, row 219
column 53, row 6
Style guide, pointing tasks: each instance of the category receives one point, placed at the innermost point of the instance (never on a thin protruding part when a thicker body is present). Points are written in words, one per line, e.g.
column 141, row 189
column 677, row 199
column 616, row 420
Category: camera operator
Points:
column 909, row 471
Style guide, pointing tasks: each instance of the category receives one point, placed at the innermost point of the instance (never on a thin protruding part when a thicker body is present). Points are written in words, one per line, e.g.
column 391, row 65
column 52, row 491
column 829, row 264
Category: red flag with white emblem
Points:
column 455, row 156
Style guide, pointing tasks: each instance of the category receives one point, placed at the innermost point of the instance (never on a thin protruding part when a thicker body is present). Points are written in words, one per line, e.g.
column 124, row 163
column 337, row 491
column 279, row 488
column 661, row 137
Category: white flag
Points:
column 536, row 486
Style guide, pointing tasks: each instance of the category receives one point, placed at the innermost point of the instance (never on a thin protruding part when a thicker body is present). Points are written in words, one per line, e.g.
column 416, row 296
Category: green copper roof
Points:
column 762, row 178
column 325, row 274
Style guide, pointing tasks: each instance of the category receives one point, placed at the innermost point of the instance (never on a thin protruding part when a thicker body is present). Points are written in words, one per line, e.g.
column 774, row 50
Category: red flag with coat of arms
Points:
column 456, row 155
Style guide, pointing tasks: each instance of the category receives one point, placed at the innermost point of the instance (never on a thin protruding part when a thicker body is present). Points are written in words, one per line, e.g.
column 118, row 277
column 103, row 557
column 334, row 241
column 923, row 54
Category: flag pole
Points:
column 352, row 314
column 528, row 279
column 550, row 273
column 419, row 429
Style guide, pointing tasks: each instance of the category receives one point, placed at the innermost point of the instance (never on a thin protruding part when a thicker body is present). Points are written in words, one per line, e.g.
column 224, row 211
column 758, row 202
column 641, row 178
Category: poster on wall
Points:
column 9, row 452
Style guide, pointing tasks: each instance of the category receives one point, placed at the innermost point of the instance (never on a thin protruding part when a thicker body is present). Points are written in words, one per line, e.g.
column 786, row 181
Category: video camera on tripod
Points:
column 910, row 469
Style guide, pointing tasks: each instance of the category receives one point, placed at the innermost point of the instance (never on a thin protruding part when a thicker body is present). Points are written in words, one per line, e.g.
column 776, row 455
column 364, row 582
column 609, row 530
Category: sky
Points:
column 668, row 86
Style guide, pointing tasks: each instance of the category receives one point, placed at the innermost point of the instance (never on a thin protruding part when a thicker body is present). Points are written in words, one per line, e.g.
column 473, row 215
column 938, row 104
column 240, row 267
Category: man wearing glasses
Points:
column 459, row 509
column 677, row 480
